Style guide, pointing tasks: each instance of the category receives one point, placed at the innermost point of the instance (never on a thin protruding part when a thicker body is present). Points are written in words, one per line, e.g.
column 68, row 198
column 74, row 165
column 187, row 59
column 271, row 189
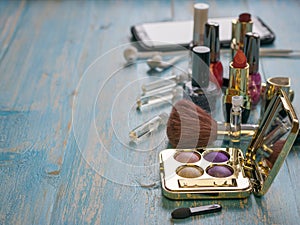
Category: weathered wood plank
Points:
column 37, row 83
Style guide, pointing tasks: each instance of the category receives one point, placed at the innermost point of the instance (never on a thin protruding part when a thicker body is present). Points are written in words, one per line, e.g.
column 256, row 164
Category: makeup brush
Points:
column 190, row 126
column 182, row 213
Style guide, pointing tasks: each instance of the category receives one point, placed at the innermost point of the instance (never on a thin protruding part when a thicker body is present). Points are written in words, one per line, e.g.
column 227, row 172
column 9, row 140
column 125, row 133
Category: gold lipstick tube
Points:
column 238, row 85
column 238, row 78
column 238, row 31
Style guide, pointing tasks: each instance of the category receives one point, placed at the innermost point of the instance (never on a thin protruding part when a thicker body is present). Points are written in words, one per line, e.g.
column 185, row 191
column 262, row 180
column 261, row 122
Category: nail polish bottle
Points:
column 238, row 85
column 200, row 18
column 200, row 89
column 240, row 27
column 211, row 40
column 251, row 50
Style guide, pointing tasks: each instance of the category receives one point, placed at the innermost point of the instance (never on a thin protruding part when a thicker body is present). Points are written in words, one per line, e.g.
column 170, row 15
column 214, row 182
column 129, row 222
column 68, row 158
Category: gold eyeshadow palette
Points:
column 206, row 173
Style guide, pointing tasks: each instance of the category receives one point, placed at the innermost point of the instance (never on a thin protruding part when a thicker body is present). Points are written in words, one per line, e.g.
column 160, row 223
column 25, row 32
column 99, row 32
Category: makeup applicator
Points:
column 182, row 213
column 190, row 126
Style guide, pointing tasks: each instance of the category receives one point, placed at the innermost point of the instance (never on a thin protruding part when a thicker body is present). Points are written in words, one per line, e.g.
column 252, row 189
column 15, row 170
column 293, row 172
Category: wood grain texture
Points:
column 65, row 114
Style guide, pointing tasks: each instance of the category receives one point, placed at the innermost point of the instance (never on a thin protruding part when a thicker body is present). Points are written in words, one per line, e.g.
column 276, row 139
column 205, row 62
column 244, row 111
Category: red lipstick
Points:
column 239, row 60
column 238, row 85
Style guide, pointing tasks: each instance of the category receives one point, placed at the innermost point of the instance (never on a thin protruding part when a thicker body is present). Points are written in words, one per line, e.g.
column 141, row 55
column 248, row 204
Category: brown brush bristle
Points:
column 189, row 126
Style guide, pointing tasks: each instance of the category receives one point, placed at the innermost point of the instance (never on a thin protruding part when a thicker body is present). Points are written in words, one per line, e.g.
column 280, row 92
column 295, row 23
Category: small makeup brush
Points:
column 190, row 126
column 182, row 213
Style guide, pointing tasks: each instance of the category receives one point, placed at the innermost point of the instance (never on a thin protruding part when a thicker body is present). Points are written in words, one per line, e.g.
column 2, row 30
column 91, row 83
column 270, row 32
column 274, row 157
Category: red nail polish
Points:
column 211, row 40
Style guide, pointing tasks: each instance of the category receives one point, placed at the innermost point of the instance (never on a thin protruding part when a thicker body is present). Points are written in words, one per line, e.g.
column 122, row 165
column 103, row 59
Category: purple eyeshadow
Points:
column 216, row 156
column 189, row 171
column 220, row 171
column 187, row 157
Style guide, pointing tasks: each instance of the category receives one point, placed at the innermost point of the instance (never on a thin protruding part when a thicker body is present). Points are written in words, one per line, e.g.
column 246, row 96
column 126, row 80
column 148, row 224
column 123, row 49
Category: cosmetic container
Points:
column 251, row 50
column 238, row 85
column 211, row 40
column 236, row 118
column 200, row 89
column 144, row 130
column 240, row 27
column 167, row 96
column 200, row 18
column 164, row 83
column 216, row 173
column 273, row 84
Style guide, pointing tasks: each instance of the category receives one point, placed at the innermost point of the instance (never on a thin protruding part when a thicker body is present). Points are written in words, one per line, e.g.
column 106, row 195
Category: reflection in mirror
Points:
column 277, row 146
column 273, row 142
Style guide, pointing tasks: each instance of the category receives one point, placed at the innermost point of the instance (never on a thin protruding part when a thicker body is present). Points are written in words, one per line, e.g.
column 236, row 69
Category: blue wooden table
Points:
column 67, row 105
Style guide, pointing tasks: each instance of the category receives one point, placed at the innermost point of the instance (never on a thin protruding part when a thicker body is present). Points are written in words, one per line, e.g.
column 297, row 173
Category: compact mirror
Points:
column 272, row 142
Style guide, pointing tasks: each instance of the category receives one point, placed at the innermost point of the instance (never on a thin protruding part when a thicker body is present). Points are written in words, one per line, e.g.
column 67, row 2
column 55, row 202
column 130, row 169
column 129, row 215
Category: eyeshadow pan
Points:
column 216, row 156
column 189, row 171
column 220, row 171
column 187, row 157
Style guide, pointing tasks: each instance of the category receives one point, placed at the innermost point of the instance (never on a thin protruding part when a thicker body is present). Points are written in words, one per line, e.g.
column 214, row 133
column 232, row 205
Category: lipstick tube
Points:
column 238, row 85
column 240, row 27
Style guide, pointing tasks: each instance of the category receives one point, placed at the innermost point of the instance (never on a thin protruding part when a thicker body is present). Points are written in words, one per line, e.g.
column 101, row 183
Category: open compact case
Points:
column 206, row 173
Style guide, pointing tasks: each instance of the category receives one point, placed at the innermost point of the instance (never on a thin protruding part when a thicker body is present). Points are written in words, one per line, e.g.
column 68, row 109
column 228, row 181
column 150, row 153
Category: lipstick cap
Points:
column 211, row 40
column 251, row 50
column 200, row 67
column 200, row 18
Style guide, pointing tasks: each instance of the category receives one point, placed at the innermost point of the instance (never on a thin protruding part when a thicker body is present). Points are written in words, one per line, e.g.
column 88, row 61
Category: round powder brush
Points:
column 190, row 126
